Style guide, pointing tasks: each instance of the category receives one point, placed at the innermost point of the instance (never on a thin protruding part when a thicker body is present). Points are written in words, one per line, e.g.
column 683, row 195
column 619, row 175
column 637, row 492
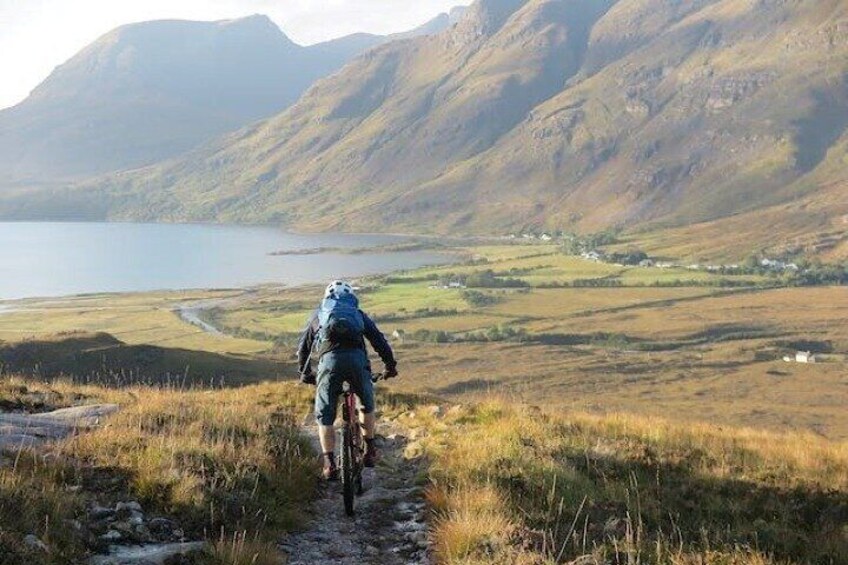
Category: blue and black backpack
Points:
column 340, row 323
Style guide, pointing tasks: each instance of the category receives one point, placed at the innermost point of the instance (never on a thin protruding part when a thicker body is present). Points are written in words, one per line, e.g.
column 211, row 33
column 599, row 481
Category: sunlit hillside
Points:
column 551, row 114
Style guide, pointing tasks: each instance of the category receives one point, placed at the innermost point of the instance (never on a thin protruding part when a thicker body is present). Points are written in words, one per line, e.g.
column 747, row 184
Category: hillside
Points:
column 233, row 471
column 149, row 91
column 544, row 113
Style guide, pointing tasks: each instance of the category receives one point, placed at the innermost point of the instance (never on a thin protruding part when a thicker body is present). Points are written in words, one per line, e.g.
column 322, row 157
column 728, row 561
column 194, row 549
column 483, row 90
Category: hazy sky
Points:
column 38, row 35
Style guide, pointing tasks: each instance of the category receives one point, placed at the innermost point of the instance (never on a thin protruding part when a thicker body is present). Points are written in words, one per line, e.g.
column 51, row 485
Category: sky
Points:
column 38, row 35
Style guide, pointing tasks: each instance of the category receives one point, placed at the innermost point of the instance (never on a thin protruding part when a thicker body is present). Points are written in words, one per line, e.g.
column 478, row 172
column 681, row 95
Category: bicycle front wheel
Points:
column 347, row 471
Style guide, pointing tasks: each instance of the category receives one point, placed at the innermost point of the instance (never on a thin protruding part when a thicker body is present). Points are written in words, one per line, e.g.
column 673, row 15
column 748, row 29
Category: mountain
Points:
column 149, row 91
column 560, row 114
column 436, row 25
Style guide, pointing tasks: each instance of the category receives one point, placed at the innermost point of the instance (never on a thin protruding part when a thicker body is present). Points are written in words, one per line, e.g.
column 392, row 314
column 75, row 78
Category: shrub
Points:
column 478, row 299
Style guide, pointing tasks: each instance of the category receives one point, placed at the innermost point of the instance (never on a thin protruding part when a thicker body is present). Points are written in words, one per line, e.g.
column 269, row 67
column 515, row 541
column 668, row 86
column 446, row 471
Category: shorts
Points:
column 334, row 368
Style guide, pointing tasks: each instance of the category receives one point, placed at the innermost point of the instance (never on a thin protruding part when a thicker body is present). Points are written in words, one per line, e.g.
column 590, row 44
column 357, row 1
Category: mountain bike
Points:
column 351, row 459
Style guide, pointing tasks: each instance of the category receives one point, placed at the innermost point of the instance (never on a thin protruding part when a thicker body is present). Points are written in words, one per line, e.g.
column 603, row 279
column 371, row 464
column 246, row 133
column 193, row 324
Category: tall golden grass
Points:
column 514, row 485
column 229, row 465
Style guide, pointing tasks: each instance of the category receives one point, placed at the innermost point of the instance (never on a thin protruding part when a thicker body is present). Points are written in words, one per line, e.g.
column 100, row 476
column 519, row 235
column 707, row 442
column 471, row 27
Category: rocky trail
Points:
column 388, row 527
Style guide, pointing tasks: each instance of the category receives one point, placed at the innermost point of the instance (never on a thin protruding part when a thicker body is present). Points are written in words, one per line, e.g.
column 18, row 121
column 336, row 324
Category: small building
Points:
column 455, row 284
column 546, row 237
column 805, row 357
column 591, row 256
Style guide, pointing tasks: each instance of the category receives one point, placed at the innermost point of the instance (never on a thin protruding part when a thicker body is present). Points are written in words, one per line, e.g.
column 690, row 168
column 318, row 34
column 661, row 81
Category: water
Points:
column 58, row 259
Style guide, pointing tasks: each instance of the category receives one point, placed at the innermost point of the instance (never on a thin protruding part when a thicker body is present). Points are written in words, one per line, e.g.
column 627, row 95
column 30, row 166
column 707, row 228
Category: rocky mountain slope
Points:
column 149, row 91
column 544, row 113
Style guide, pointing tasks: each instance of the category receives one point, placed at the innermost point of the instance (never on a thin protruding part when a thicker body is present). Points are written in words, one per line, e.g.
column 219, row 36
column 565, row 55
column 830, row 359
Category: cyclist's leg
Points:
column 327, row 391
column 360, row 381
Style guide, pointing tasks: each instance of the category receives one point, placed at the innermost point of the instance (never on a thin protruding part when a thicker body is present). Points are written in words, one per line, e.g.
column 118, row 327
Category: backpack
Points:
column 340, row 323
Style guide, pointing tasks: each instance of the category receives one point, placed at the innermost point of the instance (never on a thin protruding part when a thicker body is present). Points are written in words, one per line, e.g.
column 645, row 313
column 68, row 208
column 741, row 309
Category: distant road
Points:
column 192, row 312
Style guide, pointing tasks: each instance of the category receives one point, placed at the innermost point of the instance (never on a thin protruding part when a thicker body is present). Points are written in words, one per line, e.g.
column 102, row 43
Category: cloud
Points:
column 38, row 35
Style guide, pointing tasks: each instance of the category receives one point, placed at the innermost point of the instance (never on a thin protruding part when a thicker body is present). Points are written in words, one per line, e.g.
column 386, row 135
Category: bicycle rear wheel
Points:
column 348, row 473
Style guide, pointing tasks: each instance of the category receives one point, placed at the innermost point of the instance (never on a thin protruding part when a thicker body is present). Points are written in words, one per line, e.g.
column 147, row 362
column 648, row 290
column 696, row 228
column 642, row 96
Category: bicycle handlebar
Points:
column 378, row 377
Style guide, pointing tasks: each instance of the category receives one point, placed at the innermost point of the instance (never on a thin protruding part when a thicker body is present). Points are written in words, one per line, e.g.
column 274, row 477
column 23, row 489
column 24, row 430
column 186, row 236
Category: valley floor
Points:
column 683, row 344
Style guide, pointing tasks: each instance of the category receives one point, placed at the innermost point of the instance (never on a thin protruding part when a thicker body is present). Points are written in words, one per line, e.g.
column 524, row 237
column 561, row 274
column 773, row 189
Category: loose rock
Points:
column 32, row 542
column 111, row 535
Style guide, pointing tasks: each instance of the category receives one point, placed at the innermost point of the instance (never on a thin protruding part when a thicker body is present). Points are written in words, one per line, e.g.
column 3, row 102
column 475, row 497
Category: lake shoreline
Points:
column 72, row 259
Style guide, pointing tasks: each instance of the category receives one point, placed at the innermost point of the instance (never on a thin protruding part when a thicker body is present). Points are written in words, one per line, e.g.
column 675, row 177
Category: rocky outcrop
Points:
column 27, row 430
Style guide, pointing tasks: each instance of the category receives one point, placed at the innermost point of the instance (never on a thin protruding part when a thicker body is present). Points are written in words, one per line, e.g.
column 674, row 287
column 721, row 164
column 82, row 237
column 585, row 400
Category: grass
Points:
column 510, row 483
column 133, row 318
column 229, row 466
column 542, row 265
column 515, row 485
column 688, row 353
column 102, row 359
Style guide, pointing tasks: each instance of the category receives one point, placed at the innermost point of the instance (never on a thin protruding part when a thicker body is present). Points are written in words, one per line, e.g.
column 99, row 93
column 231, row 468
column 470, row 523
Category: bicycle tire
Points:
column 348, row 474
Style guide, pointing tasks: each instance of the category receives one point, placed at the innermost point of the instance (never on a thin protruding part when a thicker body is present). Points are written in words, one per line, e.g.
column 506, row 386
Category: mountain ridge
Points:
column 540, row 114
column 148, row 91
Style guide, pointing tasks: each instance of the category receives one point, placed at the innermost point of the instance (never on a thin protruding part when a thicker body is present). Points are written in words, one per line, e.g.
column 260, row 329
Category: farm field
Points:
column 696, row 351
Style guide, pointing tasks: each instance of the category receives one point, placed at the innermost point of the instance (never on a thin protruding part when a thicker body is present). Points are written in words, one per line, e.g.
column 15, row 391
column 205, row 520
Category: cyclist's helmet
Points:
column 337, row 289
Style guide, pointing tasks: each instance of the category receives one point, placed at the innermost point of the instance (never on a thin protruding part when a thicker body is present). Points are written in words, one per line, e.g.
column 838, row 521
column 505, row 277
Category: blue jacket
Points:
column 372, row 334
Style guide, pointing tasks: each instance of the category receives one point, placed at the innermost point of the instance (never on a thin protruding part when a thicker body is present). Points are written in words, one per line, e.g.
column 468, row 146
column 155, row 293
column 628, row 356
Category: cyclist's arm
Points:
column 307, row 339
column 379, row 343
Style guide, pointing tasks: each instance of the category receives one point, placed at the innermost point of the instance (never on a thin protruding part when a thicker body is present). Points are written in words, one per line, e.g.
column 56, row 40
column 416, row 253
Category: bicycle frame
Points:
column 352, row 457
column 352, row 451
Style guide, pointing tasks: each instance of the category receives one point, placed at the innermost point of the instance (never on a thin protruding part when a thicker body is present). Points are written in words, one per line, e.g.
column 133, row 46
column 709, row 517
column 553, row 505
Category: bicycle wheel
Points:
column 348, row 473
column 360, row 490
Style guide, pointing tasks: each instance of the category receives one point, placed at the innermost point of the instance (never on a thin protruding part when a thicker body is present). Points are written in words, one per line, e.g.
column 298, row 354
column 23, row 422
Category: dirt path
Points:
column 389, row 524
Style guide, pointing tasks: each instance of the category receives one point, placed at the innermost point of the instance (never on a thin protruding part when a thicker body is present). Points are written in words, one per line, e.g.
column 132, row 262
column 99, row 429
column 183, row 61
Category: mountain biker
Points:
column 337, row 331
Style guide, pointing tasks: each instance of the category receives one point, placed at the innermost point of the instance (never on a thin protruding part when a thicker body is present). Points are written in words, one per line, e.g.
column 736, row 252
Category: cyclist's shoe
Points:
column 330, row 471
column 371, row 455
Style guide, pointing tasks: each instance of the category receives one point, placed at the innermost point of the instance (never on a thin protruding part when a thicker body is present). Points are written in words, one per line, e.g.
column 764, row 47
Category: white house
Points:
column 591, row 256
column 805, row 357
